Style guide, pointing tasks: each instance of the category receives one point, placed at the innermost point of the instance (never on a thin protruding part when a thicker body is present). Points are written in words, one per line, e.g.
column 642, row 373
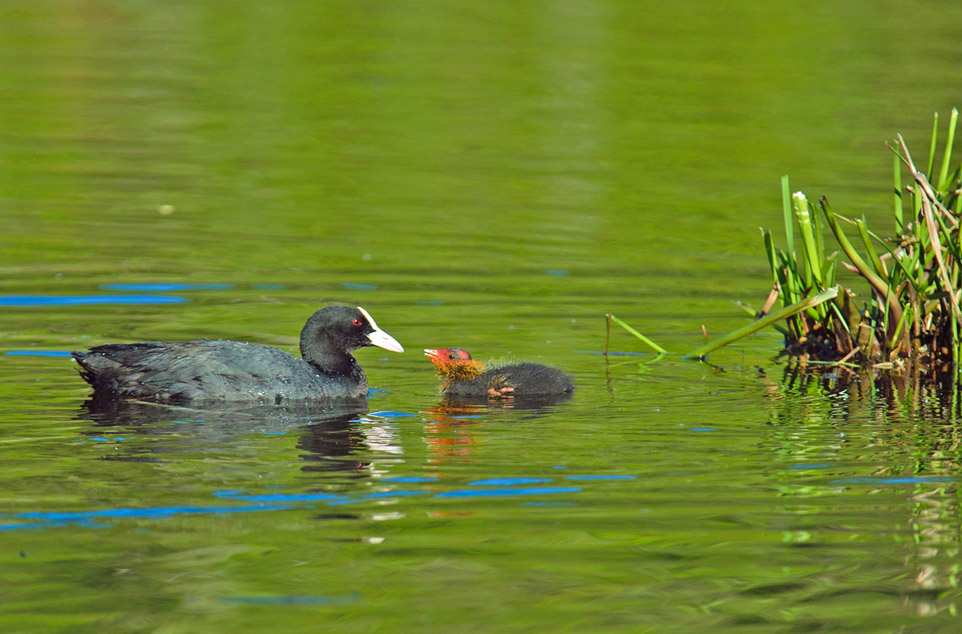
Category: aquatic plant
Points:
column 914, row 276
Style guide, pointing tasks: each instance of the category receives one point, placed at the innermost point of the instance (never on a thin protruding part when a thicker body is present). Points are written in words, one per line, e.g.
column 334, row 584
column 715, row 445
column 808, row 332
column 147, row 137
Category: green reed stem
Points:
column 869, row 247
column 789, row 219
column 897, row 201
column 947, row 154
column 804, row 217
column 877, row 283
column 933, row 142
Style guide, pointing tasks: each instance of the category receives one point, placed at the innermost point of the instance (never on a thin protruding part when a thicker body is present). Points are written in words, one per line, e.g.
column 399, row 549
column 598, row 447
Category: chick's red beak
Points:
column 435, row 356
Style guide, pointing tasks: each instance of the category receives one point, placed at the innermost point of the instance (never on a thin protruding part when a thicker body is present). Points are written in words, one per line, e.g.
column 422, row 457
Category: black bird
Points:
column 462, row 376
column 236, row 372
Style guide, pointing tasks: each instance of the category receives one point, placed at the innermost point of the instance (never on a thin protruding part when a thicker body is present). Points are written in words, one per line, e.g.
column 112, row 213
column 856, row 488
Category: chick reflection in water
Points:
column 450, row 424
column 447, row 431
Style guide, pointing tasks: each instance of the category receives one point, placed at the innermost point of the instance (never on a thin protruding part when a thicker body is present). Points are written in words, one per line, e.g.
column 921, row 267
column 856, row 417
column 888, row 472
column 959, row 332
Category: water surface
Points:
column 492, row 177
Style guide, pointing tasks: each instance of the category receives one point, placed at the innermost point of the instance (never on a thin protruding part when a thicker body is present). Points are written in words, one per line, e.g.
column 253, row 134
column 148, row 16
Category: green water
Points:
column 494, row 176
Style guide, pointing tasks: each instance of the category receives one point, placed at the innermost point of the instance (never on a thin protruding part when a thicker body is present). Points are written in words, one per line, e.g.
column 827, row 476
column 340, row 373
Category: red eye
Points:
column 357, row 323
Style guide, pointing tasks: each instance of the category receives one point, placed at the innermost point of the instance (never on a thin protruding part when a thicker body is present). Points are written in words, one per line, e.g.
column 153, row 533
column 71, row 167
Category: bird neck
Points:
column 325, row 355
column 461, row 371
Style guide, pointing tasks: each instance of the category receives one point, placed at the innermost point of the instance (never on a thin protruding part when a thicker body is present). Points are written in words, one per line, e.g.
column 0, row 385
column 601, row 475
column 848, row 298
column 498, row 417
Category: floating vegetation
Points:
column 914, row 275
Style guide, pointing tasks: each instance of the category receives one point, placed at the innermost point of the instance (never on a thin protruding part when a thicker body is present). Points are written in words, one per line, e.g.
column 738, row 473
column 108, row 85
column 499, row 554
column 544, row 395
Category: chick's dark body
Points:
column 523, row 379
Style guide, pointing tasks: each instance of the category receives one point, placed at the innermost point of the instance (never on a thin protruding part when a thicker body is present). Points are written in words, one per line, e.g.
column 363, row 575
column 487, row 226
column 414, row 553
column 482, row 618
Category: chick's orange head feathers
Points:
column 454, row 365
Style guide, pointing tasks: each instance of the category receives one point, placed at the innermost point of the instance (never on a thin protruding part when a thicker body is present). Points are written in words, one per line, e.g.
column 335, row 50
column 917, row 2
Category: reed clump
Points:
column 911, row 314
column 914, row 275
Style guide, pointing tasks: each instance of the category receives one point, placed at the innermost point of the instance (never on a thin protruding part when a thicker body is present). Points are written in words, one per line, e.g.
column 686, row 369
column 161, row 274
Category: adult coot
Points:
column 462, row 376
column 234, row 371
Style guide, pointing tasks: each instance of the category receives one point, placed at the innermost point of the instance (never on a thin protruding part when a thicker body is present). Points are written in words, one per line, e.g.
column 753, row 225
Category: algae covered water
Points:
column 491, row 177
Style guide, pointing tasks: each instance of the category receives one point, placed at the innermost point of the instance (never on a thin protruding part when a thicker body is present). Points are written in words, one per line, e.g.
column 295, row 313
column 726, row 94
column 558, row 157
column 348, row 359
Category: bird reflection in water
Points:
column 226, row 424
column 336, row 437
column 350, row 443
column 334, row 445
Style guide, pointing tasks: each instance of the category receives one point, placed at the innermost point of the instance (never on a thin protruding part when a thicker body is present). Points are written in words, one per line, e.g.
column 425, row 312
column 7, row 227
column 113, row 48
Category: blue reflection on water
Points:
column 37, row 353
column 498, row 492
column 107, row 439
column 85, row 518
column 82, row 300
column 495, row 487
column 602, row 476
column 387, row 413
column 165, row 287
column 359, row 286
column 500, row 482
column 397, row 493
column 896, row 480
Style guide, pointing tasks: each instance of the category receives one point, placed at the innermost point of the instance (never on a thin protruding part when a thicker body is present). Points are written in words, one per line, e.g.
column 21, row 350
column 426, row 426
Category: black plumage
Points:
column 234, row 371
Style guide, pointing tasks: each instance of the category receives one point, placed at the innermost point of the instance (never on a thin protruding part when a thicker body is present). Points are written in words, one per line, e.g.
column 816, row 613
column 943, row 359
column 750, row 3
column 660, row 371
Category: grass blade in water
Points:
column 752, row 328
column 645, row 340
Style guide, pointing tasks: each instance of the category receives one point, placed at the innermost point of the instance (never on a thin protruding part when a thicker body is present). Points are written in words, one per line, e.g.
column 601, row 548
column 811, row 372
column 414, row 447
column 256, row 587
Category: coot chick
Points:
column 463, row 376
column 238, row 372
